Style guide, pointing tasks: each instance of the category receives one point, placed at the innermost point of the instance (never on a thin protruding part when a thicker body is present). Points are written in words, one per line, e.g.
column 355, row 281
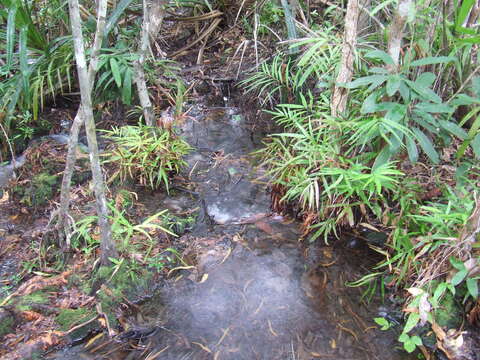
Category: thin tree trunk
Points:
column 155, row 18
column 395, row 33
column 340, row 94
column 62, row 212
column 140, row 81
column 106, row 244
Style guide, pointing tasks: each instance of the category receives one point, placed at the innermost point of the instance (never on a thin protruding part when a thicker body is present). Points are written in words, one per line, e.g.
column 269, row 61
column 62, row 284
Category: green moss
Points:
column 6, row 326
column 449, row 314
column 123, row 284
column 25, row 302
column 67, row 318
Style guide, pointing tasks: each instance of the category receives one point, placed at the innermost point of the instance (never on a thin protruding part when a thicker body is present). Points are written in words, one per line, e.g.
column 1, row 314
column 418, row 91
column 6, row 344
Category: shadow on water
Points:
column 255, row 291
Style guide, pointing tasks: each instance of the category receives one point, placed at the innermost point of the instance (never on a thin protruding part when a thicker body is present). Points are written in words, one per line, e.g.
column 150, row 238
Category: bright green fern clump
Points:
column 145, row 154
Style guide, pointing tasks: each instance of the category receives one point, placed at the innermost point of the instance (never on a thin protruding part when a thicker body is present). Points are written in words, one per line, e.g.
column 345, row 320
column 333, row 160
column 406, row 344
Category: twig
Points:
column 101, row 313
column 207, row 32
column 464, row 83
column 81, row 325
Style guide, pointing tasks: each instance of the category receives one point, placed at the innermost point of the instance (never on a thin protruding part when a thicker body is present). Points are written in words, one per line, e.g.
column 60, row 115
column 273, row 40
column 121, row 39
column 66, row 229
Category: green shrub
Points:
column 145, row 154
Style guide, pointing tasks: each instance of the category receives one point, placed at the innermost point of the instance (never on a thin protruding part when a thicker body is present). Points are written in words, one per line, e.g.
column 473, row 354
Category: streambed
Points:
column 254, row 291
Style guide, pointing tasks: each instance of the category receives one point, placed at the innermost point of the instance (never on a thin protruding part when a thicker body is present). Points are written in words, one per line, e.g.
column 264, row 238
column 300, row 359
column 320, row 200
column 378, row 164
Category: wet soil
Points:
column 253, row 289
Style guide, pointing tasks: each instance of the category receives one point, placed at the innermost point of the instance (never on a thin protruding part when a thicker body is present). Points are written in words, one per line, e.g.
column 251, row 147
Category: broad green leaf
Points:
column 370, row 104
column 464, row 99
column 411, row 149
column 424, row 92
column 381, row 55
column 426, row 145
column 12, row 12
column 393, row 84
column 366, row 80
column 453, row 128
column 115, row 16
column 457, row 264
column 426, row 79
column 433, row 60
column 439, row 291
column 385, row 325
column 476, row 85
column 23, row 55
column 404, row 92
column 382, row 158
column 475, row 144
column 116, row 72
column 434, row 108
column 472, row 286
column 459, row 277
column 416, row 340
column 396, row 112
column 412, row 321
column 127, row 87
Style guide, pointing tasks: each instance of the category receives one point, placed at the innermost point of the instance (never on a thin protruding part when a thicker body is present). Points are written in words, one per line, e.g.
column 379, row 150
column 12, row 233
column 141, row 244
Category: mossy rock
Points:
column 67, row 318
column 7, row 323
column 122, row 285
column 26, row 302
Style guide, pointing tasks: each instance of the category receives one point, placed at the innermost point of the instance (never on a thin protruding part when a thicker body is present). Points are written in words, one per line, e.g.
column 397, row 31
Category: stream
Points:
column 256, row 291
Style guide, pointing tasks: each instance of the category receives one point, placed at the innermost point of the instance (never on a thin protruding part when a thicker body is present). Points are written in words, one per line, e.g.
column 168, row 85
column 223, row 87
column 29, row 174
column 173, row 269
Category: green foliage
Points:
column 38, row 191
column 35, row 68
column 340, row 170
column 286, row 78
column 384, row 323
column 86, row 238
column 271, row 14
column 147, row 155
column 67, row 318
column 411, row 114
column 115, row 74
column 306, row 161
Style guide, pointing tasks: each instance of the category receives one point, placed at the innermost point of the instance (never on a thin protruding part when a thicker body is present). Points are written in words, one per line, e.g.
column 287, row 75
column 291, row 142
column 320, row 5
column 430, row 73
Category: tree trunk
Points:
column 106, row 244
column 140, row 81
column 340, row 94
column 155, row 18
column 64, row 223
column 395, row 33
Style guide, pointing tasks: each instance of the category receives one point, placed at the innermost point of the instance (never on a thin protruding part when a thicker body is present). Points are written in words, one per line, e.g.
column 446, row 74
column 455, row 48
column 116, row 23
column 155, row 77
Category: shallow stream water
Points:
column 255, row 291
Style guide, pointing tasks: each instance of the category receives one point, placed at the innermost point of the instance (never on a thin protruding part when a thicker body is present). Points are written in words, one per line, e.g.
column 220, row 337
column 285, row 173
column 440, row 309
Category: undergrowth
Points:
column 401, row 160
